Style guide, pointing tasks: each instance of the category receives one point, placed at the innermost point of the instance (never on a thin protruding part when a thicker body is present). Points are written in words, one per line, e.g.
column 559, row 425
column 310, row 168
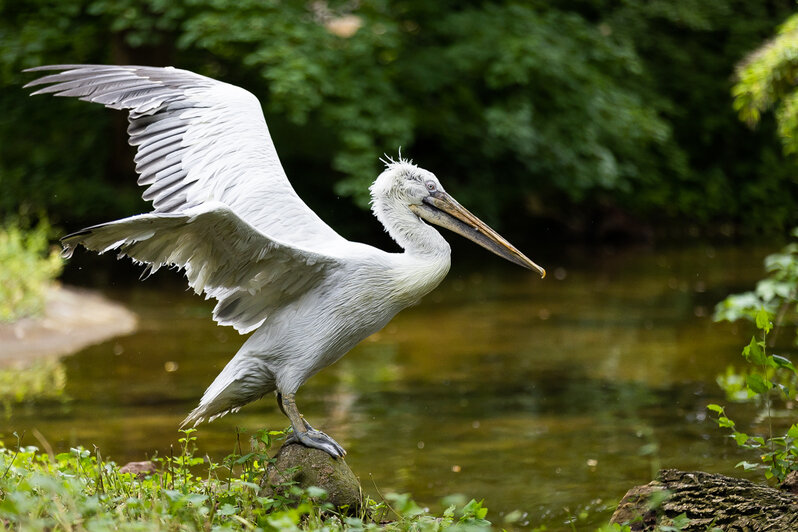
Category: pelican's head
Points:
column 404, row 185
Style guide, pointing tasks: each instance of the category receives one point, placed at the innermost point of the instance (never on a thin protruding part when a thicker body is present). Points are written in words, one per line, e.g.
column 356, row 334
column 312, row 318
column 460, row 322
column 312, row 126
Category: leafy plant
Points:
column 27, row 268
column 768, row 377
column 777, row 293
column 79, row 490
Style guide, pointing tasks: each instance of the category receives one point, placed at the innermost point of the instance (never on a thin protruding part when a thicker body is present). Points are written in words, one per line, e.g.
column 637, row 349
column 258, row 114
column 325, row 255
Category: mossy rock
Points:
column 305, row 467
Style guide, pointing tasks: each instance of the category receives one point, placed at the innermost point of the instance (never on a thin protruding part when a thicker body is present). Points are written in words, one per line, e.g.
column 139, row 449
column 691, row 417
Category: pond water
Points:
column 551, row 397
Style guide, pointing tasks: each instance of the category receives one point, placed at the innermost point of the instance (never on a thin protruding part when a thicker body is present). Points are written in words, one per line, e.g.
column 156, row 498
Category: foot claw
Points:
column 316, row 439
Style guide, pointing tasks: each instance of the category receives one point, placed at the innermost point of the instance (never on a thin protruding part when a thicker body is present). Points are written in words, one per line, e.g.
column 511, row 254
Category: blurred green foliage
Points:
column 27, row 268
column 565, row 111
column 767, row 79
column 777, row 293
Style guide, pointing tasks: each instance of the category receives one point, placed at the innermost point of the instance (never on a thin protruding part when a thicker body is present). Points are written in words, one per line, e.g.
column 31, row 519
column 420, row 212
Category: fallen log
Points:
column 699, row 501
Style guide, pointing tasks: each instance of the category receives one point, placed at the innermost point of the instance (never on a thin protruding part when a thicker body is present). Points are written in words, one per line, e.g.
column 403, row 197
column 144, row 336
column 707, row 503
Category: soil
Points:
column 73, row 319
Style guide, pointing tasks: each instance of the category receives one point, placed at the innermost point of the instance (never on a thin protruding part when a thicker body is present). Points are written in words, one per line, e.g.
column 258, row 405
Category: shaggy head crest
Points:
column 401, row 178
column 399, row 163
column 390, row 162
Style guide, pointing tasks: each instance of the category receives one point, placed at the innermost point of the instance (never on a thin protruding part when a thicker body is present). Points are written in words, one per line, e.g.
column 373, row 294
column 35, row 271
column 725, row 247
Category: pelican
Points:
column 225, row 213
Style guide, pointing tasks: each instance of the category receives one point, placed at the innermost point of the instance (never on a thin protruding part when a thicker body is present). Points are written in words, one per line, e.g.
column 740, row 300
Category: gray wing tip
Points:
column 71, row 242
column 53, row 67
column 62, row 69
column 67, row 68
column 80, row 66
column 185, row 423
column 195, row 417
column 75, row 235
column 67, row 251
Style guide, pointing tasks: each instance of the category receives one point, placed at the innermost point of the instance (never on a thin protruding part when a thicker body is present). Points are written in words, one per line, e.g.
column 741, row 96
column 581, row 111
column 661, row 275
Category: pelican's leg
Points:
column 291, row 437
column 304, row 433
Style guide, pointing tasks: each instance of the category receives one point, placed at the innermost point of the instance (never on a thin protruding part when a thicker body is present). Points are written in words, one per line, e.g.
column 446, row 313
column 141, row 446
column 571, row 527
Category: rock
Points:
column 140, row 469
column 72, row 320
column 307, row 467
column 707, row 501
column 635, row 509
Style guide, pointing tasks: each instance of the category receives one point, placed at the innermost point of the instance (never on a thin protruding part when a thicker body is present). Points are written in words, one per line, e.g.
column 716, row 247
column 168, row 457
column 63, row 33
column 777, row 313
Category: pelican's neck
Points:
column 410, row 232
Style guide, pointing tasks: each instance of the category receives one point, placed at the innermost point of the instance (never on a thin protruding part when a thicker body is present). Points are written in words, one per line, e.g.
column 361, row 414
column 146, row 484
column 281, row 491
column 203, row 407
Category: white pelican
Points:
column 225, row 213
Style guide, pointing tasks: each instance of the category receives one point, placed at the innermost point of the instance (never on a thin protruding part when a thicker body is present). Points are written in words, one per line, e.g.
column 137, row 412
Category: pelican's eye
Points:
column 431, row 186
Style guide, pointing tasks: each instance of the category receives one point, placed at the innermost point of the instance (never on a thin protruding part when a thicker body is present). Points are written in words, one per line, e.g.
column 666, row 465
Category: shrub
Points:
column 28, row 266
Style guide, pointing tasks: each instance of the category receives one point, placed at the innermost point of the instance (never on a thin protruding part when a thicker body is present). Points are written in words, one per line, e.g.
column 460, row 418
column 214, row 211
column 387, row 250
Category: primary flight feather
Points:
column 225, row 213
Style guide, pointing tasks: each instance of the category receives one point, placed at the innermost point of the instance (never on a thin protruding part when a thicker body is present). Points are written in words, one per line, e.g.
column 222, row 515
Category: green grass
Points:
column 28, row 265
column 78, row 490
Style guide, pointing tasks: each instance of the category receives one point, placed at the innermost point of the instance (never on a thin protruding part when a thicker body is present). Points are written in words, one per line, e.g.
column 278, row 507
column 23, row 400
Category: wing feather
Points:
column 223, row 257
column 198, row 140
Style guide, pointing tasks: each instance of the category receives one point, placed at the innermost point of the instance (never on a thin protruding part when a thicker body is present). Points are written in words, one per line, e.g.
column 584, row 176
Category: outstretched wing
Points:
column 223, row 257
column 198, row 140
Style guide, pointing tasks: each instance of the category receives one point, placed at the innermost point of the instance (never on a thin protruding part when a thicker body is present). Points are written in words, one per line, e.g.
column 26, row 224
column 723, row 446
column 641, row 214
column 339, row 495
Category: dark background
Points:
column 584, row 120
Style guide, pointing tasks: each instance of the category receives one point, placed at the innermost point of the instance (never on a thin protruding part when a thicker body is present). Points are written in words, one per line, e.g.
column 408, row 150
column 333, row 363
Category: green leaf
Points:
column 748, row 466
column 715, row 408
column 784, row 362
column 793, row 432
column 763, row 322
column 657, row 498
column 740, row 438
column 758, row 384
column 474, row 509
column 316, row 492
column 227, row 509
column 754, row 353
column 196, row 498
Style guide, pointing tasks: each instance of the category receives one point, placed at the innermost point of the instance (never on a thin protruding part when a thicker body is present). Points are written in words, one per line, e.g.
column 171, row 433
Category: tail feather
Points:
column 202, row 414
column 243, row 380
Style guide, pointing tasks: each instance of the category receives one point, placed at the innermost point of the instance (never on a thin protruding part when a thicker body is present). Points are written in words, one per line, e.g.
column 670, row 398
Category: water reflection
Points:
column 538, row 396
column 43, row 380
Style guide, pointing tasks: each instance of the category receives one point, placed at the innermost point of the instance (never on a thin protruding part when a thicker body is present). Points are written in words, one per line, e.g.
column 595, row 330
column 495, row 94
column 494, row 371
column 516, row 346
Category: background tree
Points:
column 570, row 112
column 767, row 79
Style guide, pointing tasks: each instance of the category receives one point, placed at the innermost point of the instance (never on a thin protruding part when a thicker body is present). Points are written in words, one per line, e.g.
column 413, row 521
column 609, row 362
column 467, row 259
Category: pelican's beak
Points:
column 441, row 209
